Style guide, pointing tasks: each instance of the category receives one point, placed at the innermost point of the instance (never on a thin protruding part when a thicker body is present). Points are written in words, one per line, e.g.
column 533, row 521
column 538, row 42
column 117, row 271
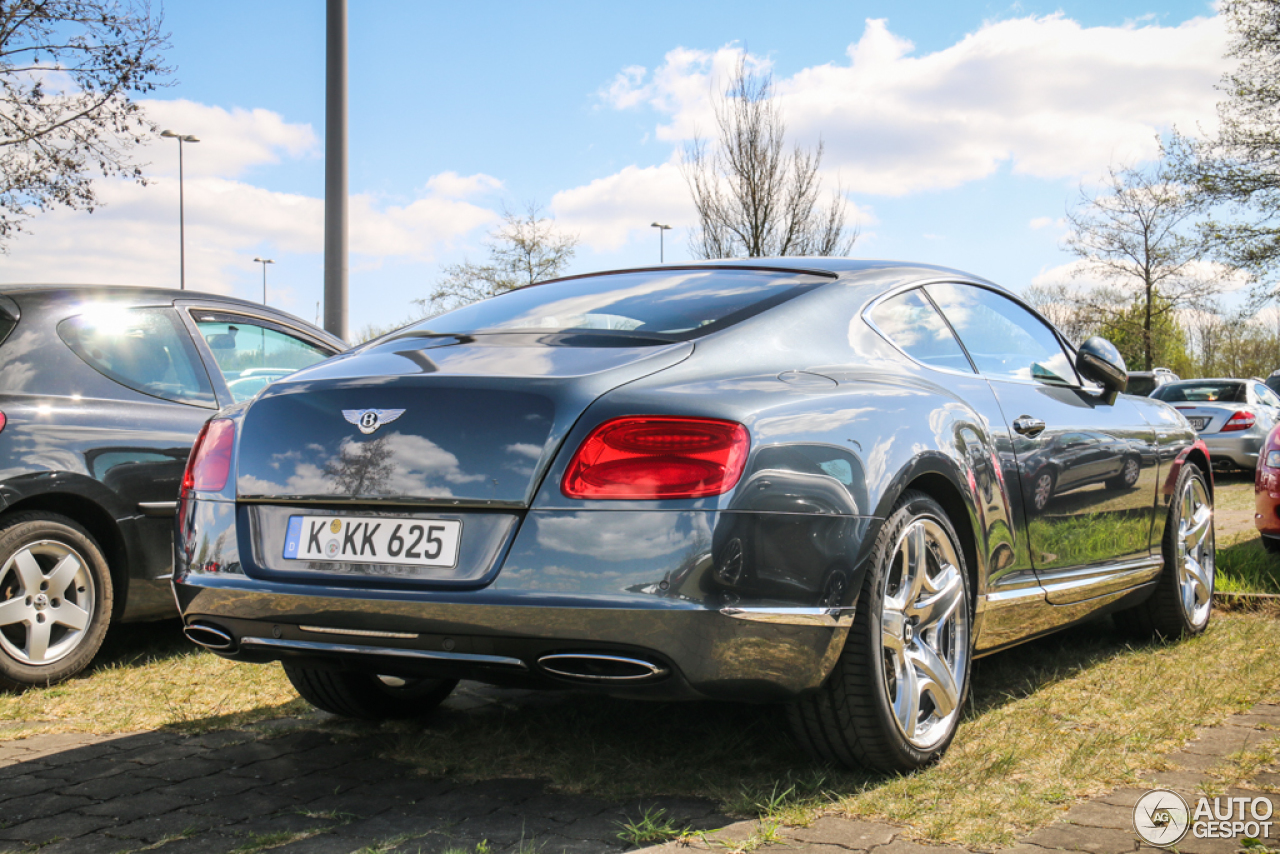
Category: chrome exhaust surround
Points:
column 209, row 637
column 600, row 667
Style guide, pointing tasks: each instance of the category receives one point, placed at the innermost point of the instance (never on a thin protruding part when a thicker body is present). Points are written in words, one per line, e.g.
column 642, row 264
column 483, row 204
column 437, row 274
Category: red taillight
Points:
column 643, row 457
column 1239, row 421
column 210, row 460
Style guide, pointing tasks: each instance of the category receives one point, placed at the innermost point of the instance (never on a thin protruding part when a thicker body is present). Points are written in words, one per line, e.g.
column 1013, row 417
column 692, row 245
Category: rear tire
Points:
column 1182, row 602
column 55, row 599
column 366, row 696
column 894, row 699
column 1271, row 545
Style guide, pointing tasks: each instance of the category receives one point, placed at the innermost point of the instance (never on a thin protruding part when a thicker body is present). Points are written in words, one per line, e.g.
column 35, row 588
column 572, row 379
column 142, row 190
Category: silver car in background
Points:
column 1232, row 416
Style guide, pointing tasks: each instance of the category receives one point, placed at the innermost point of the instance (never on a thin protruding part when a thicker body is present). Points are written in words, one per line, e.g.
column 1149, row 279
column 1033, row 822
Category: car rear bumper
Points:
column 1242, row 450
column 692, row 598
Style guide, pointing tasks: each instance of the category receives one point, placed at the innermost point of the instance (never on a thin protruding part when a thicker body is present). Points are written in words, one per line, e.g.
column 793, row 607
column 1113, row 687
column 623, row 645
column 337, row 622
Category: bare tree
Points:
column 1135, row 235
column 1061, row 304
column 525, row 249
column 754, row 197
column 69, row 70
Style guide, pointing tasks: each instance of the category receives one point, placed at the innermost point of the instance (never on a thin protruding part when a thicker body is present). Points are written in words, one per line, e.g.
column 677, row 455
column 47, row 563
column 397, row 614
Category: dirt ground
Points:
column 1233, row 499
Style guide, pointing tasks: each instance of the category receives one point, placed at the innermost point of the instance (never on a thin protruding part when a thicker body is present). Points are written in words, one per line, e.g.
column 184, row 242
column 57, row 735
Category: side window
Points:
column 1002, row 337
column 1266, row 395
column 252, row 356
column 912, row 323
column 145, row 349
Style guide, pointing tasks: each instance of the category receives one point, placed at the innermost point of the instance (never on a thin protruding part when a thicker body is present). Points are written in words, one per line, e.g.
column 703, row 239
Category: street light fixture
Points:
column 661, row 252
column 182, row 228
column 264, row 262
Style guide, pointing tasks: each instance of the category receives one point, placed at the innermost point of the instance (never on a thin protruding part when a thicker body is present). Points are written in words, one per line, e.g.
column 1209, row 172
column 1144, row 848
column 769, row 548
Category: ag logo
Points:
column 1161, row 817
column 369, row 420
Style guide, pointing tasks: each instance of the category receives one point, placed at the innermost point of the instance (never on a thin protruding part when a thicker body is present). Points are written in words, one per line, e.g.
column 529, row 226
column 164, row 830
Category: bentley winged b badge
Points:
column 369, row 420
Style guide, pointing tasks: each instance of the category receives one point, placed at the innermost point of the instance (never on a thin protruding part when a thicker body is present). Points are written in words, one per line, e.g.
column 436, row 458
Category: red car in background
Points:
column 1266, row 492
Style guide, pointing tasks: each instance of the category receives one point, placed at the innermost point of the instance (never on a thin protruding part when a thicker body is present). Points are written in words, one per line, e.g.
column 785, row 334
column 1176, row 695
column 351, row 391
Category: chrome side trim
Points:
column 390, row 652
column 361, row 633
column 836, row 618
column 1066, row 587
column 158, row 508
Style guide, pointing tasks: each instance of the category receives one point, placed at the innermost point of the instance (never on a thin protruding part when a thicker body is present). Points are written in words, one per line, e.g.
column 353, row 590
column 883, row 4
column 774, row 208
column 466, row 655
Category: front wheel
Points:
column 367, row 696
column 1183, row 599
column 894, row 699
column 55, row 599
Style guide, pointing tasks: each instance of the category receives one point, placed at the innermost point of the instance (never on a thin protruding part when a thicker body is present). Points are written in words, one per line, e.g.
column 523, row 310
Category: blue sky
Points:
column 960, row 131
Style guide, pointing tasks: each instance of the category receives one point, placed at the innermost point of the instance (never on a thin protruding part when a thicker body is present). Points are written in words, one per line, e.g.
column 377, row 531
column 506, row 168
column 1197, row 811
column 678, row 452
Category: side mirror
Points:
column 1099, row 361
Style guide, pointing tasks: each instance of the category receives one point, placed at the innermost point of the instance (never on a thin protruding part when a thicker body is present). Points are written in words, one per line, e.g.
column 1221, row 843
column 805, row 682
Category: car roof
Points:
column 122, row 291
column 142, row 294
column 844, row 268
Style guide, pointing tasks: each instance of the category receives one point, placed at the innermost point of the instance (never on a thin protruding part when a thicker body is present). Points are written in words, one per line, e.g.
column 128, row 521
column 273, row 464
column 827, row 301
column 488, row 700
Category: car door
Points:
column 138, row 447
column 1088, row 534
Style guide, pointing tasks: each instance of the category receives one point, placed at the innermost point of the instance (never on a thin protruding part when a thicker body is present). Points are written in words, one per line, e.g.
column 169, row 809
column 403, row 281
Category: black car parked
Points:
column 102, row 393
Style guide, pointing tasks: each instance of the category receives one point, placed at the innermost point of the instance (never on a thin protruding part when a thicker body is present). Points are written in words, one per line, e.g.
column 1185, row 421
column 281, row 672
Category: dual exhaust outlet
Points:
column 578, row 666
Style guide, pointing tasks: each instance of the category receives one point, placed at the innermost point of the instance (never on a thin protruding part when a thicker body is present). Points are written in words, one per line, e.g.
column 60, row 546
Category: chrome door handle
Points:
column 1028, row 426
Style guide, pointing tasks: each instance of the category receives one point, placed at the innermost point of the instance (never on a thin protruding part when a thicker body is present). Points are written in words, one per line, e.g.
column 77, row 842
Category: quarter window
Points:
column 145, row 349
column 251, row 356
column 1003, row 338
column 911, row 322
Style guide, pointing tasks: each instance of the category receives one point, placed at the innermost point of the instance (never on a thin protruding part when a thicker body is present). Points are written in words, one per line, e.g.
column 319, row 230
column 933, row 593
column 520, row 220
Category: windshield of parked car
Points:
column 1207, row 390
column 668, row 304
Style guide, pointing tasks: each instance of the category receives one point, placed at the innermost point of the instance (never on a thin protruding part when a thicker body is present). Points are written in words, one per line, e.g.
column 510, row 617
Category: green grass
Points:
column 1051, row 722
column 649, row 829
column 1246, row 567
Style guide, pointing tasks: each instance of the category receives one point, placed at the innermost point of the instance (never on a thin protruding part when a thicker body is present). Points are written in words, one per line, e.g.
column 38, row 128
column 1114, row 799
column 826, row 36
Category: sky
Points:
column 959, row 133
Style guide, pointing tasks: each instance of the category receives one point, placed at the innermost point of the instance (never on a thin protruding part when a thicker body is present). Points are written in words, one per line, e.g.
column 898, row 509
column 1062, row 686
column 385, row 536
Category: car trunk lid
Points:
column 437, row 420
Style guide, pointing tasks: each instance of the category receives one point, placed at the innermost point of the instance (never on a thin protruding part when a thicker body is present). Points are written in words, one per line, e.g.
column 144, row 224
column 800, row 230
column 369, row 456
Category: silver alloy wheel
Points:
column 1131, row 468
column 1194, row 555
column 48, row 602
column 924, row 628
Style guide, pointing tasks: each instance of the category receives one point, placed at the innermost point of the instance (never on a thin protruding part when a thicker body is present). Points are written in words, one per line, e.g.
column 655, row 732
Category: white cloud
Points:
column 1041, row 222
column 1046, row 95
column 451, row 185
column 608, row 212
column 133, row 237
column 231, row 141
column 1078, row 278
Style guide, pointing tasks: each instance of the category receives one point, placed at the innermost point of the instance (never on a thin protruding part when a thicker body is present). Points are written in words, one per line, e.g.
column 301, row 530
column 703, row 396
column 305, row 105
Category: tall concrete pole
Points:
column 335, row 170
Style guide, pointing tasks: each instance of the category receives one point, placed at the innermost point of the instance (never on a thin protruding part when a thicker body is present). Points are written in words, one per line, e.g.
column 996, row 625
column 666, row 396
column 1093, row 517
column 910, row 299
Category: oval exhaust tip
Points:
column 209, row 637
column 599, row 667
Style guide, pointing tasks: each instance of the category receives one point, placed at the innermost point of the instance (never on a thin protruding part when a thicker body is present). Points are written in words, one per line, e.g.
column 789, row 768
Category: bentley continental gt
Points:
column 777, row 480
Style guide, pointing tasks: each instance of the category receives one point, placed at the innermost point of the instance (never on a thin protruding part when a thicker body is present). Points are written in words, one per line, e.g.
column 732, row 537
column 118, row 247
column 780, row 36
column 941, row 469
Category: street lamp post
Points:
column 264, row 262
column 661, row 252
column 182, row 228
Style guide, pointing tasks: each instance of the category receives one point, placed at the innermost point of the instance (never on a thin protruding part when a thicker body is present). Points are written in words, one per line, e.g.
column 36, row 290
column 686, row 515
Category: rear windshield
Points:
column 1221, row 392
column 662, row 304
column 1143, row 385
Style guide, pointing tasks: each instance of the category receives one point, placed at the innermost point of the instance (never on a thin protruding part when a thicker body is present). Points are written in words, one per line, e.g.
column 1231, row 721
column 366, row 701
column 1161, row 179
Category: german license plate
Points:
column 1199, row 423
column 373, row 539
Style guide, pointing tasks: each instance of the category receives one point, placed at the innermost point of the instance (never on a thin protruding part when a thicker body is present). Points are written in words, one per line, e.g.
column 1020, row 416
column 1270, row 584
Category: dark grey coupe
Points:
column 795, row 480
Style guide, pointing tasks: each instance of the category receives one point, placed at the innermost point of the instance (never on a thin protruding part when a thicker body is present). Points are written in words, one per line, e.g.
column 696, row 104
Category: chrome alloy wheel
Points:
column 1131, row 471
column 1194, row 552
column 924, row 630
column 47, row 600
